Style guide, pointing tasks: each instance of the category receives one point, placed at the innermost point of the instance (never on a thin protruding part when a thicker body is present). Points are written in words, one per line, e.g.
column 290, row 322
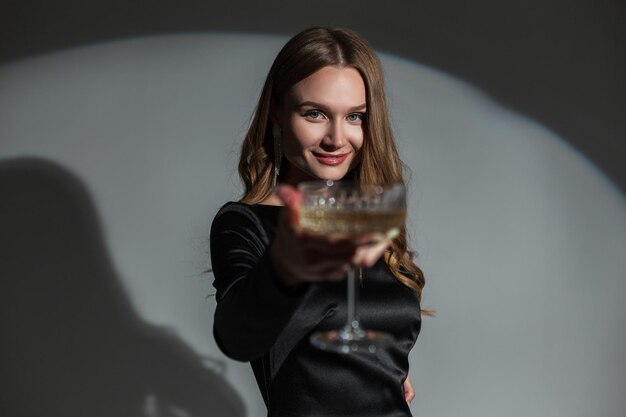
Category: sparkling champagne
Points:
column 351, row 221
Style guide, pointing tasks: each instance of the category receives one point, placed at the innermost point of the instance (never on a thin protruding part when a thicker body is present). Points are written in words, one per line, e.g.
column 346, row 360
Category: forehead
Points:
column 331, row 86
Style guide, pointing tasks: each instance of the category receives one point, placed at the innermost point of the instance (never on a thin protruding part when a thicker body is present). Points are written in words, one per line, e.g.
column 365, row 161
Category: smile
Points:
column 330, row 159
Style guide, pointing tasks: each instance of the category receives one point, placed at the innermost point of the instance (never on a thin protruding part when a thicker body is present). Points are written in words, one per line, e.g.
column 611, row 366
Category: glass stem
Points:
column 353, row 294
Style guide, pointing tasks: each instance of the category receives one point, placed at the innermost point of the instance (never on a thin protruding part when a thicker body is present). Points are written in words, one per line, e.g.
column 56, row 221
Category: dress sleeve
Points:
column 252, row 307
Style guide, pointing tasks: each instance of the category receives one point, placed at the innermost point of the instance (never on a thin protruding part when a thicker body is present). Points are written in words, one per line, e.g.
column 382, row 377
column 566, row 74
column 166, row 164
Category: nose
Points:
column 335, row 136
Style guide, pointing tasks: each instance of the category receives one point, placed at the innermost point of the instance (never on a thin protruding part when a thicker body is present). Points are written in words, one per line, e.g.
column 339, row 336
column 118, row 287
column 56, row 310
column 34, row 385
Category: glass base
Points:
column 351, row 340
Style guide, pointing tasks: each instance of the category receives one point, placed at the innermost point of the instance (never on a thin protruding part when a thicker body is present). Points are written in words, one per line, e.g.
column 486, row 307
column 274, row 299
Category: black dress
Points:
column 260, row 321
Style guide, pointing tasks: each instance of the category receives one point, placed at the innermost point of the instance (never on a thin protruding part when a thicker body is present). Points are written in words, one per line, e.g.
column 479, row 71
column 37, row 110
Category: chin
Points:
column 333, row 174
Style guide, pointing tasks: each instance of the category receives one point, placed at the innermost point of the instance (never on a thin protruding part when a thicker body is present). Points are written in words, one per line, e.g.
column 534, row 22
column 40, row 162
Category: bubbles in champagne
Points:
column 324, row 220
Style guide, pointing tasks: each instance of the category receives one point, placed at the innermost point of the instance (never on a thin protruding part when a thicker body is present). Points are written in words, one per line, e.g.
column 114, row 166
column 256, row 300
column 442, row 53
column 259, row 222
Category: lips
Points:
column 330, row 159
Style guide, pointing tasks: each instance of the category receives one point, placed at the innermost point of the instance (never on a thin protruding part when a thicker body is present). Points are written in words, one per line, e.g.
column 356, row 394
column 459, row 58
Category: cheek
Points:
column 357, row 137
column 304, row 134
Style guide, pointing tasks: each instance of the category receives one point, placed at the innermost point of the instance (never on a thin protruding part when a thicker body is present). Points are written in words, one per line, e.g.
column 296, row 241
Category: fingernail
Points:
column 378, row 237
column 393, row 233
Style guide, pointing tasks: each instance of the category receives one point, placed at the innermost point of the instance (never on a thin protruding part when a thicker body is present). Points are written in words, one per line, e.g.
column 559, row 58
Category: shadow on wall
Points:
column 71, row 344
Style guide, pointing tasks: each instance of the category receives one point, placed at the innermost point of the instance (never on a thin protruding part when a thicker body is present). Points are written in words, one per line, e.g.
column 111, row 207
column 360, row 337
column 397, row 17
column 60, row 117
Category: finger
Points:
column 375, row 253
column 409, row 392
column 289, row 195
column 376, row 237
column 292, row 199
column 369, row 238
column 409, row 397
column 367, row 255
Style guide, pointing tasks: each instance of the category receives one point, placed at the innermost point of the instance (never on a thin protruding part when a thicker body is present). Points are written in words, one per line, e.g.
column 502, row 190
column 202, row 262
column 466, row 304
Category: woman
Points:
column 322, row 115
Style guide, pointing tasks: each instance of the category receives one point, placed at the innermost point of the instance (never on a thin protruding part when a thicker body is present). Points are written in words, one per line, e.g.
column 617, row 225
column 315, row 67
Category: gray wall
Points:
column 517, row 198
column 522, row 238
column 560, row 62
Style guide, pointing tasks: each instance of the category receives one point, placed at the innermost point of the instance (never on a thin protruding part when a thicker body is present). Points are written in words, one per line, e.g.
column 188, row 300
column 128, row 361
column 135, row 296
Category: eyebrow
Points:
column 321, row 106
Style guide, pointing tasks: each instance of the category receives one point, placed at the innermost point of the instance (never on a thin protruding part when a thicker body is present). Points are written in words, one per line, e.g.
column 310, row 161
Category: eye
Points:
column 356, row 117
column 314, row 114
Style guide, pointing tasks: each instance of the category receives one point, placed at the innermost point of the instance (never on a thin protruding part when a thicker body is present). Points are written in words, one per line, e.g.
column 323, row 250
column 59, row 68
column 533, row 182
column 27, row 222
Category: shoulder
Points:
column 250, row 212
column 235, row 209
column 245, row 219
column 233, row 215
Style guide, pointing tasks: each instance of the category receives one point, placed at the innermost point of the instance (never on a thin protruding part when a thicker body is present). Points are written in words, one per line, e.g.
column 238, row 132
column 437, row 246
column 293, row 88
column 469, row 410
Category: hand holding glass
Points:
column 346, row 209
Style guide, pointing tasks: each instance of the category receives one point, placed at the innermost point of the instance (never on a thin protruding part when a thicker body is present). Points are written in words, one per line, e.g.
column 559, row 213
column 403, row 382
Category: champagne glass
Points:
column 345, row 209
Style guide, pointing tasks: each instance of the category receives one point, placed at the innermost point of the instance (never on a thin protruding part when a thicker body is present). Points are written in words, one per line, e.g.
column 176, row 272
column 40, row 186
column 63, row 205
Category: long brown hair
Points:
column 306, row 53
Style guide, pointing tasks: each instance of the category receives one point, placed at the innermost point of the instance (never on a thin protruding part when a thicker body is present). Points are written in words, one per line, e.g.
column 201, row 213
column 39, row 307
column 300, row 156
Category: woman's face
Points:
column 322, row 121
